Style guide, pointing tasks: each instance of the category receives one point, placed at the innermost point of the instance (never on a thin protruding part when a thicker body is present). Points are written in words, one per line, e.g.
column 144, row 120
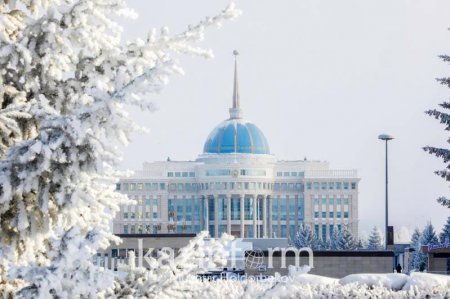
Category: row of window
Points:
column 140, row 186
column 243, row 172
column 290, row 174
column 179, row 174
column 156, row 228
column 330, row 186
column 331, row 214
column 236, row 186
column 140, row 215
column 331, row 200
column 288, row 187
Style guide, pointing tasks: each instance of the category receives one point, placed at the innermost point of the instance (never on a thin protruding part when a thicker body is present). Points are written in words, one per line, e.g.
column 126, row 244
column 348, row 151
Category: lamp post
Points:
column 386, row 138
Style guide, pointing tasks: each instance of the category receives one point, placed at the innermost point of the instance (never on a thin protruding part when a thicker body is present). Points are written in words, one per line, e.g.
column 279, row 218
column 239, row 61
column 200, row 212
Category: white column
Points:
column 206, row 207
column 254, row 204
column 216, row 216
column 264, row 217
column 228, row 199
column 241, row 202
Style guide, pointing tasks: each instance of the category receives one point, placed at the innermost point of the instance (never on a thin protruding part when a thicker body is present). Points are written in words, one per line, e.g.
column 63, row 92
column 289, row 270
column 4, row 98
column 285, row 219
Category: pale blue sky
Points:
column 321, row 78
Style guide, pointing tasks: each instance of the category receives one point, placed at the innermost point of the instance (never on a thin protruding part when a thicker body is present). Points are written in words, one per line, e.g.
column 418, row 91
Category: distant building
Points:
column 238, row 187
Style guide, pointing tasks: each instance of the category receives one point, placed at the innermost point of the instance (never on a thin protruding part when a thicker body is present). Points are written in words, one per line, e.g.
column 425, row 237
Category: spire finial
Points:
column 235, row 111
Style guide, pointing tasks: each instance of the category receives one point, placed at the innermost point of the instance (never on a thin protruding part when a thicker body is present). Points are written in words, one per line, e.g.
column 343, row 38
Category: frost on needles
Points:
column 65, row 78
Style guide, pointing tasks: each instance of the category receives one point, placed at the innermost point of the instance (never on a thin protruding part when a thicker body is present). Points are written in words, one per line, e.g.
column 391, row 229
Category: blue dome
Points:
column 236, row 136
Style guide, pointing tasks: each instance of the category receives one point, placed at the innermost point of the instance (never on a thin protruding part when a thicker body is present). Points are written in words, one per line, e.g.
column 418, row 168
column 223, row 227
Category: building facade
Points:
column 237, row 186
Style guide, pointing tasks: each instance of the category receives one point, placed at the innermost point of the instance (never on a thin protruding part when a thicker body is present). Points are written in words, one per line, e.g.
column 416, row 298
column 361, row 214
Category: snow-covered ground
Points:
column 303, row 285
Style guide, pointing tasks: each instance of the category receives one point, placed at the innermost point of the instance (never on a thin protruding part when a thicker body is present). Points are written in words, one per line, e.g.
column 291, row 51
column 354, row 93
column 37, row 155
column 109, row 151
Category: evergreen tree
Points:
column 306, row 237
column 347, row 240
column 343, row 239
column 375, row 240
column 443, row 153
column 427, row 237
column 334, row 239
column 66, row 77
column 444, row 236
column 415, row 240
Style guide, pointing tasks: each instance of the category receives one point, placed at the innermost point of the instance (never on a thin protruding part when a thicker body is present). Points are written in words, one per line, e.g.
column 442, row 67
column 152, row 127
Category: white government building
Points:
column 237, row 186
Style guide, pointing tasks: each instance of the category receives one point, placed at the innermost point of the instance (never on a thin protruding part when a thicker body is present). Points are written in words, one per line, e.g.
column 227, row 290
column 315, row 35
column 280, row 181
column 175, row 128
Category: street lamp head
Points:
column 385, row 137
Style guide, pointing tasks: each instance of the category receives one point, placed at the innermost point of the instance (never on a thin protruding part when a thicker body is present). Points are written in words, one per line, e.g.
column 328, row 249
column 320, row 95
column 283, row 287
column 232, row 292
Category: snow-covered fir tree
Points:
column 343, row 239
column 375, row 240
column 305, row 237
column 173, row 278
column 444, row 236
column 443, row 153
column 427, row 237
column 414, row 243
column 65, row 78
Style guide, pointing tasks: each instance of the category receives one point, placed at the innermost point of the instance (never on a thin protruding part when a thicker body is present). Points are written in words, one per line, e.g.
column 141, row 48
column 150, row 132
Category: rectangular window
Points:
column 286, row 174
column 133, row 215
column 132, row 187
column 125, row 186
column 148, row 201
column 172, row 187
column 331, row 214
column 125, row 229
column 293, row 173
column 316, row 214
column 316, row 185
column 211, row 209
column 184, row 174
column 291, row 210
column 324, row 214
column 170, row 174
column 155, row 215
column 346, row 186
column 338, row 185
column 253, row 172
column 353, row 186
column 140, row 186
column 180, row 215
column 235, row 209
column 276, row 187
column 191, row 174
column 309, row 185
column 117, row 187
column 177, row 174
column 274, row 209
column 324, row 232
column 345, row 214
column 218, row 172
column 291, row 186
column 338, row 214
column 148, row 186
column 283, row 231
column 324, row 186
column 316, row 229
column 279, row 173
column 331, row 185
column 125, row 215
column 283, row 208
column 162, row 186
column 222, row 208
column 180, row 187
column 248, row 208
